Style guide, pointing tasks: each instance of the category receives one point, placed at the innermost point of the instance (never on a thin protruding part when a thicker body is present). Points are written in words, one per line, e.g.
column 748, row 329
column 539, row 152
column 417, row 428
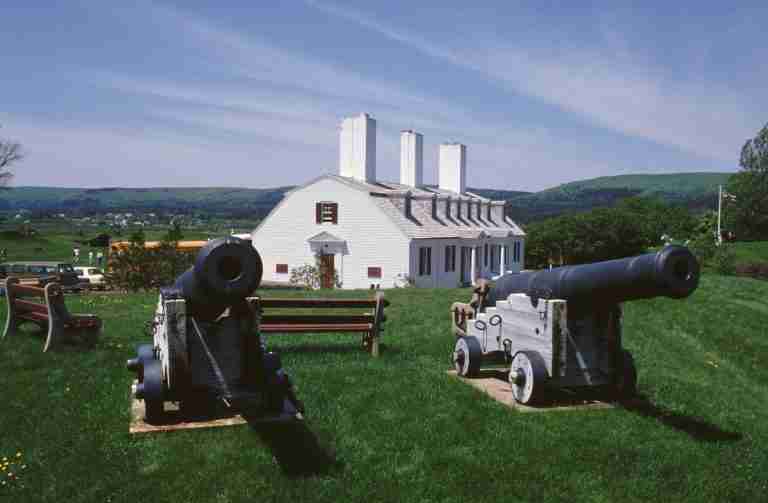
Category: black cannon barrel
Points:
column 672, row 272
column 225, row 271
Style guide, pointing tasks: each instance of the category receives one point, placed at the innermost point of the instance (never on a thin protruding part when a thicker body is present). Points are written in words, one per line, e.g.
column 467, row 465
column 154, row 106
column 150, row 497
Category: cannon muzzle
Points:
column 225, row 272
column 672, row 272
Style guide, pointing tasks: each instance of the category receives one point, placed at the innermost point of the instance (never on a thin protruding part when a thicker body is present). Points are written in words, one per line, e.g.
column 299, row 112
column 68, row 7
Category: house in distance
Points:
column 379, row 234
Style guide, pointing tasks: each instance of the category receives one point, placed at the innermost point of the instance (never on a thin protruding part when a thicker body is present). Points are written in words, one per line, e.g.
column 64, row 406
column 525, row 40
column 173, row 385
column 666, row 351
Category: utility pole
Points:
column 719, row 239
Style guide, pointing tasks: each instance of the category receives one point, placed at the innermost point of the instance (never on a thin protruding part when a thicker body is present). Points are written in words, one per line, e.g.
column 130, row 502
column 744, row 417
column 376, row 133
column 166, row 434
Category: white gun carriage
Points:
column 562, row 328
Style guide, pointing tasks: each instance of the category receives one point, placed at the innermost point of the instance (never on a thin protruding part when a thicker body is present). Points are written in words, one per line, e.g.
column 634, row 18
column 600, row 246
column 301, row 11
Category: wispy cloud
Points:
column 606, row 85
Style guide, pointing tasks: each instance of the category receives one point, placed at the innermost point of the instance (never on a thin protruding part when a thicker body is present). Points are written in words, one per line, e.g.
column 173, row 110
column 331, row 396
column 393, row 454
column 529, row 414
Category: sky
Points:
column 252, row 93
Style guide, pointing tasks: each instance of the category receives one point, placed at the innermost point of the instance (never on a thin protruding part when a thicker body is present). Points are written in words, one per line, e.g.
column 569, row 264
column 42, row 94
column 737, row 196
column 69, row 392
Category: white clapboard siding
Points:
column 373, row 240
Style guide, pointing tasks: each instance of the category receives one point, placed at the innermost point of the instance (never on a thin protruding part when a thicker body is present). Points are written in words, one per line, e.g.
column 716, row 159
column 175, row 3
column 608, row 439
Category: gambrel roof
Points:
column 421, row 224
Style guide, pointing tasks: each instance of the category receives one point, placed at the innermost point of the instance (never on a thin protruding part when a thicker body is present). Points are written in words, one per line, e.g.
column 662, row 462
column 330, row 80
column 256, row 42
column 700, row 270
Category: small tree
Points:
column 750, row 186
column 10, row 152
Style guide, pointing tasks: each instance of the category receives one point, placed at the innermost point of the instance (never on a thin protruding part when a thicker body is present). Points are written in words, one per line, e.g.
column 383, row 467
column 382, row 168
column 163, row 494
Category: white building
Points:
column 384, row 234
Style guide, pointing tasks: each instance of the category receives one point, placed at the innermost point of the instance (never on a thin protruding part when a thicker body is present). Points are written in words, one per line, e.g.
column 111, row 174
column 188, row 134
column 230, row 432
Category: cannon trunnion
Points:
column 206, row 350
column 561, row 328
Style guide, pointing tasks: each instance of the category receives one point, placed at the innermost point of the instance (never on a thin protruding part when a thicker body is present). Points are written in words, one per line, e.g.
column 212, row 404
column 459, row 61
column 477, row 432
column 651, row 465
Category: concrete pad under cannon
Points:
column 494, row 384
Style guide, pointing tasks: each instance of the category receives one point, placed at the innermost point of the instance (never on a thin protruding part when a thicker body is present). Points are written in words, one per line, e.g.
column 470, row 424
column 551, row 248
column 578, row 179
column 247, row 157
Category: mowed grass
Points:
column 398, row 428
column 751, row 251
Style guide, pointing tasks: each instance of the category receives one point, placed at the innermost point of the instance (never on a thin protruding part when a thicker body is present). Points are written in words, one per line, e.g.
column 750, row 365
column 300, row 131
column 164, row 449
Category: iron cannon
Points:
column 561, row 328
column 207, row 349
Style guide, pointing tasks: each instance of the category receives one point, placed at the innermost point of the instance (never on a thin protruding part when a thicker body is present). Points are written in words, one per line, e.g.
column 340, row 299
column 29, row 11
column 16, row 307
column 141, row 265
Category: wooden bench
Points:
column 50, row 312
column 368, row 323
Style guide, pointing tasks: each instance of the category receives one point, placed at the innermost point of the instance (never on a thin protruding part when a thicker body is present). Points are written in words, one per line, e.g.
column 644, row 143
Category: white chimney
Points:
column 453, row 167
column 357, row 148
column 411, row 158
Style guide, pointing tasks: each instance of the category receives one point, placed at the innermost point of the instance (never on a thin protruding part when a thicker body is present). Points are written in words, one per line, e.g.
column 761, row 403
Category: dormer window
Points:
column 326, row 211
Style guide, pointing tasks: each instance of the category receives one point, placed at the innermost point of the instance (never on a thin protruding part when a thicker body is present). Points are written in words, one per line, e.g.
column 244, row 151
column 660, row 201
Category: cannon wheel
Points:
column 527, row 376
column 144, row 353
column 153, row 391
column 625, row 385
column 467, row 356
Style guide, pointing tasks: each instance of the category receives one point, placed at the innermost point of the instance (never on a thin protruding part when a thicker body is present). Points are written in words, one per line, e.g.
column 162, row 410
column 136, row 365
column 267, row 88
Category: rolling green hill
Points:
column 209, row 199
column 695, row 190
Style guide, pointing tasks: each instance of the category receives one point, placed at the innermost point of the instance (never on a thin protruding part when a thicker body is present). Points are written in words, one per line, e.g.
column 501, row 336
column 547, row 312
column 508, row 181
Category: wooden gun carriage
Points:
column 561, row 328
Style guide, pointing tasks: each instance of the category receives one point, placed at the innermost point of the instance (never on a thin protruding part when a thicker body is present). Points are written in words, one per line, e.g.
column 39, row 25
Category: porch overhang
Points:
column 327, row 243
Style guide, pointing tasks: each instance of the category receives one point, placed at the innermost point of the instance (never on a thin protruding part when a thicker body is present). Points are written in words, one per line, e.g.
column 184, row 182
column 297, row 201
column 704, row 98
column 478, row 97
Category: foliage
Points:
column 600, row 234
column 140, row 268
column 307, row 276
column 657, row 218
column 750, row 187
column 310, row 276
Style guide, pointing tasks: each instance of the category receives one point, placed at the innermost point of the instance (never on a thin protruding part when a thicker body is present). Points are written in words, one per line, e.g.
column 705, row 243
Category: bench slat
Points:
column 34, row 316
column 25, row 306
column 313, row 328
column 327, row 303
column 22, row 290
column 315, row 319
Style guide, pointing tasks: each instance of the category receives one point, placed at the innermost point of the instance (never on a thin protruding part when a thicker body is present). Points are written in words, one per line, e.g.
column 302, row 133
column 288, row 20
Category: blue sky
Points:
column 251, row 93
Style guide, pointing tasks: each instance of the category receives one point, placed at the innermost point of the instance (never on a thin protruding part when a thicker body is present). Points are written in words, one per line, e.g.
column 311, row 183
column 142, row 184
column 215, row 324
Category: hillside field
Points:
column 697, row 191
column 397, row 428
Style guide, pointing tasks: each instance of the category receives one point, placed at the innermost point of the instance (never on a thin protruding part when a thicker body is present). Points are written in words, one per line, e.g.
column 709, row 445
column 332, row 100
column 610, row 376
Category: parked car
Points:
column 43, row 273
column 93, row 276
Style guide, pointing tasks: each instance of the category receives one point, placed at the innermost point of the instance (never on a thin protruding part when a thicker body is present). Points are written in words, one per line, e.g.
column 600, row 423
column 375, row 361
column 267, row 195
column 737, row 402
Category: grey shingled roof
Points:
column 421, row 224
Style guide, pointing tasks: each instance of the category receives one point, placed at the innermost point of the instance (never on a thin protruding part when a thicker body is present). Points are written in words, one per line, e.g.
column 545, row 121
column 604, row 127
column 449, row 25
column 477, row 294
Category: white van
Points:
column 93, row 274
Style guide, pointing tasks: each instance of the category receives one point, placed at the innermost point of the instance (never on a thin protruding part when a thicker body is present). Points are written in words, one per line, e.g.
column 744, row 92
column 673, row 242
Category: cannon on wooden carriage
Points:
column 206, row 348
column 561, row 328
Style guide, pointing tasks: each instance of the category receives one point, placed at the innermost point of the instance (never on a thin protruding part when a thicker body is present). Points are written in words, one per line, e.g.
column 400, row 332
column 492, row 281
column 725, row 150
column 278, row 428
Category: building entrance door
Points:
column 327, row 269
column 466, row 260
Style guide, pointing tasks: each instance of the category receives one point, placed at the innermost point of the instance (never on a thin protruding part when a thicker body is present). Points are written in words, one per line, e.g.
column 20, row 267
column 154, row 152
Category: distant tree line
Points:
column 749, row 187
column 630, row 228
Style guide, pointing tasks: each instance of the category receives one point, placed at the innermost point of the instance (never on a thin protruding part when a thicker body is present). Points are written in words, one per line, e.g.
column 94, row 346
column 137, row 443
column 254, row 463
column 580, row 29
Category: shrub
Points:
column 140, row 268
column 703, row 248
column 310, row 276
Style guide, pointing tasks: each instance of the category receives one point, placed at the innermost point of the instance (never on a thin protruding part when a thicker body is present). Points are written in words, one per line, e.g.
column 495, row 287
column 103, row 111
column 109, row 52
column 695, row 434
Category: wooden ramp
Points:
column 494, row 384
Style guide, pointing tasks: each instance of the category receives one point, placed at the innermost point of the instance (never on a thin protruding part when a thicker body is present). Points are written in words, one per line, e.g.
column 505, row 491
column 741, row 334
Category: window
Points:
column 485, row 255
column 494, row 258
column 326, row 212
column 506, row 254
column 425, row 261
column 281, row 268
column 374, row 272
column 450, row 258
column 516, row 251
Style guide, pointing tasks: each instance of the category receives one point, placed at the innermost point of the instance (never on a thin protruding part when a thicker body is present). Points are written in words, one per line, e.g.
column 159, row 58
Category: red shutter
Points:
column 318, row 212
column 334, row 213
column 281, row 268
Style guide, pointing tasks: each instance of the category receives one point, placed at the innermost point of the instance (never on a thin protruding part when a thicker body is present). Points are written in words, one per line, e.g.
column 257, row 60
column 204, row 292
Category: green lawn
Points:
column 398, row 428
column 754, row 251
